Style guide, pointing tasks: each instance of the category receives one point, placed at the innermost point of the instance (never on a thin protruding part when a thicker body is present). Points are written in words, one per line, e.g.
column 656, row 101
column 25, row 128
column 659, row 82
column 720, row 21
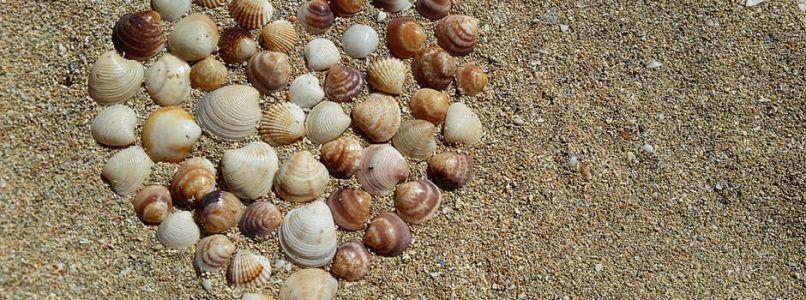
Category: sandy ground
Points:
column 696, row 183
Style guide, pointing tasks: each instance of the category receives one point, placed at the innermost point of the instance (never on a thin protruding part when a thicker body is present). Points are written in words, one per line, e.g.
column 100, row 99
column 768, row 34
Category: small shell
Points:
column 388, row 235
column 470, row 79
column 359, row 41
column 194, row 37
column 210, row 3
column 249, row 170
column 251, row 13
column 248, row 270
column 430, row 105
column 279, row 36
column 433, row 9
column 260, row 218
column 417, row 201
column 321, row 54
column 387, row 75
column 309, row 284
column 308, row 235
column 219, row 211
column 382, row 168
column 282, row 124
column 213, row 253
column 433, row 68
column 404, row 37
column 178, row 230
column 231, row 112
column 236, row 45
column 378, row 117
column 171, row 10
column 392, row 5
column 343, row 83
column 268, row 71
column 169, row 134
column 139, row 35
column 305, row 91
column 462, row 125
column 114, row 126
column 194, row 179
column 415, row 139
column 457, row 34
column 450, row 170
column 315, row 16
column 346, row 8
column 352, row 261
column 114, row 79
column 127, row 170
column 208, row 74
column 168, row 80
column 253, row 296
column 341, row 157
column 350, row 208
column 152, row 204
column 301, row 178
column 326, row 122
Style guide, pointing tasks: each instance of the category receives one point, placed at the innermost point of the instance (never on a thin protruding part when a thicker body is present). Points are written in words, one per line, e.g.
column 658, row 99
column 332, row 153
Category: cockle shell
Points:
column 139, row 35
column 434, row 9
column 194, row 37
column 251, row 13
column 128, row 169
column 404, row 37
column 114, row 126
column 350, row 208
column 169, row 134
column 315, row 16
column 392, row 5
column 450, row 170
column 194, row 179
column 282, row 124
column 308, row 235
column 114, row 79
column 248, row 270
column 388, row 235
column 260, row 218
column 268, row 71
column 345, row 8
column 342, row 157
column 462, row 125
column 231, row 112
column 343, row 83
column 387, row 76
column 171, row 10
column 382, row 168
column 433, row 68
column 249, row 170
column 417, row 201
column 305, row 91
column 213, row 253
column 301, row 178
column 315, row 284
column 211, row 3
column 415, row 139
column 168, row 80
column 430, row 105
column 279, row 36
column 236, row 45
column 359, row 41
column 470, row 79
column 457, row 34
column 208, row 74
column 152, row 204
column 321, row 54
column 378, row 117
column 220, row 211
column 326, row 122
column 352, row 261
column 178, row 230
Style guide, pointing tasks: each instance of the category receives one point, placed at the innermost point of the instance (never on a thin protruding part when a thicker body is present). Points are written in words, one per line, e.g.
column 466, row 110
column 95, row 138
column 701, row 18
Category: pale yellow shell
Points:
column 462, row 125
column 249, row 170
column 387, row 75
column 378, row 117
column 282, row 124
column 251, row 14
column 114, row 79
column 194, row 37
column 230, row 112
column 279, row 36
column 168, row 80
column 178, row 230
column 169, row 134
column 309, row 284
column 128, row 169
column 415, row 139
column 326, row 122
column 301, row 178
column 114, row 126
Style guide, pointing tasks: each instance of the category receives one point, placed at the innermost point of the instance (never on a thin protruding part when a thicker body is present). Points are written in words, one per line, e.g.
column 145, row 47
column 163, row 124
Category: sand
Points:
column 689, row 117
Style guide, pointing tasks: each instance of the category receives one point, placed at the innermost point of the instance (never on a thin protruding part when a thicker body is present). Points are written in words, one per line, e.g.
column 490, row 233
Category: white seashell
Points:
column 305, row 91
column 169, row 134
column 415, row 139
column 213, row 253
column 309, row 284
column 253, row 296
column 302, row 178
column 462, row 125
column 114, row 79
column 170, row 10
column 194, row 37
column 230, row 112
column 249, row 170
column 326, row 122
column 308, row 235
column 282, row 124
column 128, row 169
column 248, row 270
column 359, row 41
column 321, row 54
column 114, row 126
column 178, row 230
column 382, row 168
column 168, row 80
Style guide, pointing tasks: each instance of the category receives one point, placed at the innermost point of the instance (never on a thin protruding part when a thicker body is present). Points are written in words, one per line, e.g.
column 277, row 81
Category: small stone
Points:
column 585, row 170
column 648, row 148
column 802, row 5
column 207, row 284
column 566, row 297
column 654, row 64
column 630, row 156
column 447, row 210
column 62, row 50
column 718, row 186
column 751, row 3
column 598, row 267
column 381, row 16
column 518, row 121
column 573, row 162
column 279, row 264
column 553, row 15
column 434, row 274
column 564, row 28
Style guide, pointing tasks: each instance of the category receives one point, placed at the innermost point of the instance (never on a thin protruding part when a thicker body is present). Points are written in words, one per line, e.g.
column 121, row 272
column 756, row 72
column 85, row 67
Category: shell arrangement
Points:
column 197, row 208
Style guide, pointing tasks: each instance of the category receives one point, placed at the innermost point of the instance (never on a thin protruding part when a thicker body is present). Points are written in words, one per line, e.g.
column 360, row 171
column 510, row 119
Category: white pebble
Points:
column 751, row 3
column 207, row 284
column 573, row 161
column 648, row 148
column 518, row 120
column 654, row 64
column 381, row 16
column 630, row 156
column 598, row 267
column 802, row 5
column 564, row 28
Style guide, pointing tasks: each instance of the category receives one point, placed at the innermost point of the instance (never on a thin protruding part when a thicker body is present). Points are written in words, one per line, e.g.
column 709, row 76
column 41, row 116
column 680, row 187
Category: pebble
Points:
column 573, row 162
column 751, row 3
column 564, row 28
column 553, row 15
column 62, row 50
column 207, row 284
column 802, row 5
column 648, row 148
column 654, row 64
column 598, row 267
column 518, row 121
column 630, row 156
column 381, row 16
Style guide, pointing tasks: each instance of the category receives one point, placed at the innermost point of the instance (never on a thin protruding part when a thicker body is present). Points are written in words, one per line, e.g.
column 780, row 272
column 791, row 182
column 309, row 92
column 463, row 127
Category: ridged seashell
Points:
column 350, row 208
column 114, row 126
column 128, row 169
column 301, row 178
column 169, row 134
column 326, row 122
column 341, row 157
column 387, row 75
column 171, row 10
column 305, row 91
column 194, row 37
column 433, row 68
column 470, row 79
column 152, row 204
column 321, row 54
column 279, row 36
column 236, row 45
column 315, row 16
column 433, row 9
column 178, row 230
column 249, row 170
column 139, row 35
column 343, row 83
column 308, row 235
column 231, row 112
column 462, row 125
column 388, row 235
column 415, row 139
column 260, row 218
column 345, row 8
column 392, row 5
column 359, row 41
column 450, row 170
column 309, row 284
column 194, row 179
column 208, row 74
column 220, row 210
column 404, row 37
column 282, row 124
column 382, row 168
column 417, row 201
column 114, row 79
column 248, row 270
column 268, row 71
column 211, row 3
column 168, row 80
column 457, row 34
column 251, row 13
column 213, row 253
column 430, row 105
column 352, row 261
column 253, row 296
column 378, row 117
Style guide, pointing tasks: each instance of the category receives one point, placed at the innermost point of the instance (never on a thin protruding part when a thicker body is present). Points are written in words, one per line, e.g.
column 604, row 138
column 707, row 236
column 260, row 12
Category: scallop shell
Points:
column 308, row 235
column 457, row 34
column 305, row 91
column 171, row 10
column 114, row 79
column 282, row 124
column 417, row 201
column 168, row 80
column 248, row 270
column 114, row 126
column 433, row 9
column 321, row 54
column 326, row 122
column 462, row 125
column 152, row 204
column 236, row 45
column 378, row 117
column 341, row 157
column 128, row 169
column 268, row 71
column 249, row 170
column 194, row 179
column 301, row 178
column 450, row 170
column 387, row 76
column 343, row 83
column 208, row 74
column 381, row 169
column 279, row 36
column 210, row 3
column 260, row 218
column 213, row 253
column 345, row 8
column 404, row 37
column 139, row 35
column 470, row 79
column 309, row 284
column 251, row 13
column 169, row 134
column 430, row 105
column 178, row 230
column 231, row 112
column 433, row 68
column 194, row 37
column 220, row 211
column 392, row 5
column 388, row 235
column 415, row 139
column 352, row 261
column 359, row 41
column 315, row 16
column 350, row 208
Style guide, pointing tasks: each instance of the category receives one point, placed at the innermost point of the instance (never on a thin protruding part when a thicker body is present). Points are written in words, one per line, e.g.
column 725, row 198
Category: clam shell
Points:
column 321, row 54
column 249, row 170
column 169, row 134
column 231, row 112
column 220, row 211
column 114, row 79
column 194, row 37
column 417, row 201
column 457, row 34
column 301, row 178
column 352, row 261
column 326, row 122
column 268, row 71
column 152, row 204
column 359, row 41
column 415, row 139
column 305, row 91
column 308, row 235
column 462, row 125
column 430, row 105
column 282, row 124
column 343, row 83
column 236, row 45
column 309, row 284
column 139, row 35
column 213, row 253
column 127, row 170
column 388, row 235
column 251, row 13
column 260, row 219
column 168, row 80
column 392, row 5
column 194, row 179
column 253, row 296
column 210, row 3
column 178, row 230
column 171, row 10
column 433, row 68
column 345, row 8
column 470, row 79
column 341, row 157
column 433, row 9
column 279, row 36
column 450, row 170
column 248, row 270
column 315, row 16
column 114, row 126
column 381, row 169
column 404, row 37
column 387, row 76
column 378, row 117
column 208, row 74
column 350, row 208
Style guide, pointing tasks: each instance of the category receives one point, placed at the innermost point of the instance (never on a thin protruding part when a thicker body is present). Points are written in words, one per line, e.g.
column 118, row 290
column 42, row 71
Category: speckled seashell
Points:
column 352, row 261
column 326, row 122
column 387, row 76
column 462, row 125
column 194, row 179
column 249, row 170
column 268, row 71
column 248, row 270
column 114, row 126
column 213, row 253
column 301, row 178
column 404, row 37
column 430, row 105
column 433, row 68
column 260, row 218
column 321, row 54
column 178, row 230
column 210, row 3
column 282, row 124
column 382, row 168
column 279, row 36
column 194, row 37
column 343, row 83
column 378, row 117
column 220, row 211
column 433, row 9
column 350, row 208
column 168, row 80
column 305, row 91
column 236, row 45
column 470, row 79
column 415, row 139
column 345, row 8
column 342, row 156
column 152, row 204
column 417, row 201
column 308, row 235
column 208, row 74
column 251, row 14
column 231, row 112
column 139, row 35
column 127, row 170
column 171, row 10
column 392, row 5
column 359, row 41
column 457, row 34
column 114, row 79
column 169, row 134
column 450, row 170
column 309, row 284
column 315, row 16
column 388, row 235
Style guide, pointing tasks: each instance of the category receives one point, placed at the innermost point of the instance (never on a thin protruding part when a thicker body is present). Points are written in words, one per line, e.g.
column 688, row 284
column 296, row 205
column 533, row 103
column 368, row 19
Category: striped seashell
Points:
column 208, row 74
column 194, row 37
column 260, row 218
column 248, row 270
column 301, row 178
column 251, row 14
column 417, row 201
column 168, row 80
column 350, row 208
column 315, row 16
column 139, row 35
column 462, row 125
column 415, row 139
column 268, row 71
column 169, row 134
column 457, row 34
column 213, row 253
column 430, row 105
column 434, row 9
column 378, row 117
column 343, row 83
column 388, row 235
column 352, row 261
column 433, row 68
column 282, row 124
column 231, row 112
column 308, row 235
column 382, row 168
column 309, row 284
column 114, row 126
column 326, row 122
column 127, row 170
column 114, row 79
column 211, row 3
column 220, row 211
column 279, row 36
column 471, row 79
column 392, row 5
column 236, row 45
column 341, row 157
column 178, row 230
column 305, row 91
column 249, row 170
column 404, row 37
column 170, row 10
column 387, row 76
column 193, row 180
column 152, row 204
column 346, row 8
column 450, row 170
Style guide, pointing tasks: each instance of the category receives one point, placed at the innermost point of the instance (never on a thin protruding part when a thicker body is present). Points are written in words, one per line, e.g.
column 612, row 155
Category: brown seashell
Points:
column 139, row 35
column 279, row 36
column 192, row 181
column 213, row 253
column 404, row 37
column 260, row 218
column 450, row 170
column 378, row 117
column 352, row 261
column 152, row 204
column 457, row 34
column 341, row 157
column 236, row 45
column 433, row 9
column 315, row 16
column 430, row 105
column 350, row 208
column 248, row 270
column 251, row 13
column 220, row 211
column 268, row 71
column 211, row 3
column 345, row 8
column 343, row 83
column 433, row 68
column 417, row 201
column 387, row 76
column 470, row 79
column 301, row 178
column 388, row 235
column 208, row 74
column 382, row 168
column 392, row 5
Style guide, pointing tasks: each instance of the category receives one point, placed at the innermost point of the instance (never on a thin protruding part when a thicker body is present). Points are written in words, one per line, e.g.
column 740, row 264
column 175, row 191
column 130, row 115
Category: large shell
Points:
column 433, row 68
column 350, row 208
column 236, row 45
column 208, row 74
column 315, row 16
column 326, row 122
column 260, row 218
column 387, row 75
column 392, row 5
column 462, row 125
column 378, row 117
column 342, row 156
column 248, row 270
column 345, row 8
column 301, row 178
column 343, row 83
column 308, row 235
column 194, row 37
column 268, row 71
column 279, row 36
column 315, row 284
column 169, row 134
column 220, row 211
column 359, row 41
column 194, row 179
column 282, row 124
column 171, row 10
column 114, row 126
column 213, row 253
column 404, row 37
column 430, row 105
column 457, row 34
column 114, row 79
column 152, row 204
column 352, row 261
column 128, row 169
column 470, row 79
column 178, row 230
column 249, row 170
column 433, row 9
column 251, row 13
column 211, row 3
column 450, row 170
column 417, row 201
column 305, row 91
column 321, row 54
column 168, row 80
column 139, row 35
column 382, row 168
column 388, row 235
column 231, row 112
column 415, row 139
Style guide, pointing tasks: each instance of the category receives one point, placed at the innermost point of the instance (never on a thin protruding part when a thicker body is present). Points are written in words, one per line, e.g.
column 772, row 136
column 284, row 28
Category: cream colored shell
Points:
column 462, row 125
column 230, row 112
column 301, row 178
column 249, row 170
column 387, row 75
column 169, row 134
column 249, row 270
column 326, row 122
column 251, row 14
column 194, row 37
column 321, row 54
column 282, row 124
column 170, row 10
column 127, row 170
column 168, row 80
column 305, row 91
column 415, row 139
column 279, row 36
column 309, row 284
column 178, row 230
column 308, row 235
column 114, row 79
column 114, row 126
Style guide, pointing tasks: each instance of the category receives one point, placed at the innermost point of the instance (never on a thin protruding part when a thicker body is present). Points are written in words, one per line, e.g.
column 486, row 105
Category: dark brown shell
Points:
column 434, row 9
column 208, row 74
column 346, row 8
column 388, row 235
column 450, row 170
column 139, row 35
column 341, row 157
column 352, row 261
column 350, row 208
column 315, row 16
column 457, row 34
column 430, row 105
column 343, row 83
column 152, row 204
column 268, row 71
column 404, row 37
column 220, row 211
column 433, row 68
column 260, row 218
column 471, row 79
column 417, row 201
column 236, row 45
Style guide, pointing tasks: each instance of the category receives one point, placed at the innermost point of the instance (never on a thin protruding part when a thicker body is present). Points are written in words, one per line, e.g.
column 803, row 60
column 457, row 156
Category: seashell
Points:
column 457, row 34
column 260, row 218
column 404, row 37
column 168, row 80
column 392, row 5
column 236, row 45
column 279, row 36
column 470, row 79
column 139, row 35
column 268, row 71
column 378, row 117
column 169, row 134
column 359, row 41
column 309, row 284
column 433, row 9
column 352, row 261
column 415, row 139
column 282, row 124
column 321, row 54
column 171, row 10
column 387, row 75
column 417, row 201
column 213, row 253
column 301, row 178
column 249, row 170
column 350, row 208
column 253, row 296
column 343, row 83
column 251, row 13
column 462, row 125
column 231, row 112
column 341, row 157
column 178, row 230
column 315, row 16
column 208, row 74
column 194, row 37
column 114, row 79
column 305, row 91
column 210, row 3
column 388, row 235
column 248, row 270
column 326, row 122
column 450, row 170
column 430, row 105
column 345, row 8
column 194, row 179
column 433, row 68
column 308, row 235
column 152, row 204
column 127, row 170
column 114, row 126
column 220, row 210
column 382, row 167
